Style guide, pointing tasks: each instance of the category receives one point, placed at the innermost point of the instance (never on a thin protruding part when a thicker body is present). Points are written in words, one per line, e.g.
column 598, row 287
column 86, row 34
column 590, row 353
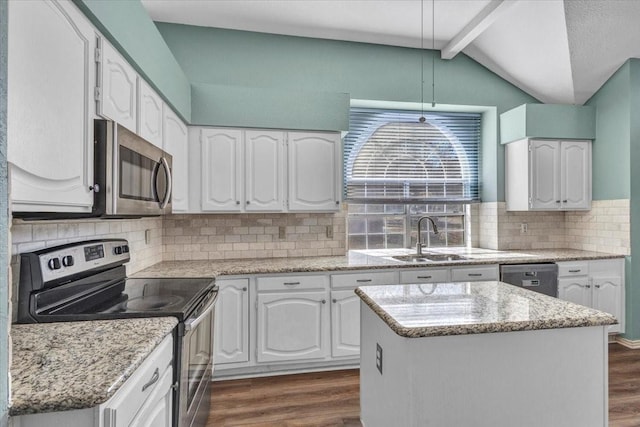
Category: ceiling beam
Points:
column 475, row 27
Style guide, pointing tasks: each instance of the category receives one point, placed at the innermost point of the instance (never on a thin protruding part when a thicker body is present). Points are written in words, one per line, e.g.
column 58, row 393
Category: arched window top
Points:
column 391, row 157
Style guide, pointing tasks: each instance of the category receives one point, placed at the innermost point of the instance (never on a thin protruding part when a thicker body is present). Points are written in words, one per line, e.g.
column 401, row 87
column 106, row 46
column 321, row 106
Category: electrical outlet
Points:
column 379, row 358
column 282, row 232
column 329, row 232
column 524, row 228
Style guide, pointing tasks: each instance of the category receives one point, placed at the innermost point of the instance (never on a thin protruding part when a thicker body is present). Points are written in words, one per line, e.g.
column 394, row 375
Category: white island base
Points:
column 546, row 377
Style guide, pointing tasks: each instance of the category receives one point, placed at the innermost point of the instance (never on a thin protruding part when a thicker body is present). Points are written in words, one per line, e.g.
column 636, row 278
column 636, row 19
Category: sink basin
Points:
column 428, row 257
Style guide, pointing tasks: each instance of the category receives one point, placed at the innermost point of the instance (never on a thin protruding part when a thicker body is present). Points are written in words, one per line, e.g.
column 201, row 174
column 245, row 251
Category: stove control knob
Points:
column 54, row 264
column 117, row 250
column 67, row 261
column 125, row 249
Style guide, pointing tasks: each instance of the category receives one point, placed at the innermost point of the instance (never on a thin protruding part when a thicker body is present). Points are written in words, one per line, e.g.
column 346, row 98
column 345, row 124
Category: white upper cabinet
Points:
column 264, row 170
column 176, row 143
column 117, row 92
column 150, row 114
column 548, row 175
column 51, row 75
column 221, row 170
column 314, row 171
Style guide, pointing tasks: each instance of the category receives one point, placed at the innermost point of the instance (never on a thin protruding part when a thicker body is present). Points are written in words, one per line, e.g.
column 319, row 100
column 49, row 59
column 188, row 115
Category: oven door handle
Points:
column 192, row 323
column 167, row 197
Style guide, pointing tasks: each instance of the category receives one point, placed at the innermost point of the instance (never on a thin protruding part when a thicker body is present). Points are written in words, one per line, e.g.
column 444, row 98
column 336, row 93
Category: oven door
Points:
column 197, row 365
column 141, row 176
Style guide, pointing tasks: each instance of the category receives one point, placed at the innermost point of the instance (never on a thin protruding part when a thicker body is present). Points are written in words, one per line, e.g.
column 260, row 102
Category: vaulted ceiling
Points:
column 559, row 51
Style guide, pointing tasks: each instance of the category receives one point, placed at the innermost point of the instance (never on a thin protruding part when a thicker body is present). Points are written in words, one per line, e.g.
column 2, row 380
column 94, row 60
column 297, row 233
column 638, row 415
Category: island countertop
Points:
column 415, row 311
column 77, row 365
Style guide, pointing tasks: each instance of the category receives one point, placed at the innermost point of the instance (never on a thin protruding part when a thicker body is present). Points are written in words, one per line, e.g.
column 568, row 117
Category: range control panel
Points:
column 72, row 259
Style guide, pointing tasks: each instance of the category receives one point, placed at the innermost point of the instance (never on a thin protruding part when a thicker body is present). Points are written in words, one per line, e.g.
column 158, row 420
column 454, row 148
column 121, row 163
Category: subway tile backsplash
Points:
column 227, row 236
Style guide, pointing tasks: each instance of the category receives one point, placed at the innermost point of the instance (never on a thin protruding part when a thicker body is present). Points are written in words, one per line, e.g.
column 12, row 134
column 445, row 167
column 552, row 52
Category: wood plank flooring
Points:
column 332, row 398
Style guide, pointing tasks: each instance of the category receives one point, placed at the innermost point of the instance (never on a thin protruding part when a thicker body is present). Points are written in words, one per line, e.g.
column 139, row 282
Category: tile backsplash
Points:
column 605, row 228
column 192, row 237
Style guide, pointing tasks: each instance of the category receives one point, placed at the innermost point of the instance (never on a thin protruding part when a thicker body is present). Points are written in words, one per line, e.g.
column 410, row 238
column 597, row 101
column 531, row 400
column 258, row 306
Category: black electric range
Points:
column 87, row 281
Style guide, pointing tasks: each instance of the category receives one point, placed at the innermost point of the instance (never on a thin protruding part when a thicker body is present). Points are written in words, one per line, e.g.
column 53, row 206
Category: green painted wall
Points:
column 129, row 28
column 4, row 223
column 548, row 121
column 297, row 65
column 615, row 149
column 221, row 105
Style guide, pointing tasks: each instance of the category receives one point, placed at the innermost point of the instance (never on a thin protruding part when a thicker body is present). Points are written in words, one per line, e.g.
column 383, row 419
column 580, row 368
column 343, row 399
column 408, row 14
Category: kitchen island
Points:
column 480, row 354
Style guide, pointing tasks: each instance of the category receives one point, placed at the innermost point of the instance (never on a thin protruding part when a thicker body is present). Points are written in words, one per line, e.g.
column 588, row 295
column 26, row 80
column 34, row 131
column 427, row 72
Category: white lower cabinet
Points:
column 474, row 273
column 345, row 323
column 598, row 284
column 292, row 326
column 145, row 399
column 231, row 344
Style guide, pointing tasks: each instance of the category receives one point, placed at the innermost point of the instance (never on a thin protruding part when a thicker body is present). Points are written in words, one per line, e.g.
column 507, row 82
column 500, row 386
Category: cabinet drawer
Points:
column 568, row 269
column 283, row 283
column 471, row 274
column 135, row 391
column 353, row 280
column 436, row 275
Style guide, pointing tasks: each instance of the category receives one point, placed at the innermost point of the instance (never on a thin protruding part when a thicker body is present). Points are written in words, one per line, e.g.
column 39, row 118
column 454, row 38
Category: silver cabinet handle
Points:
column 244, row 289
column 557, row 201
column 588, row 286
column 564, row 201
column 424, row 277
column 363, row 280
column 324, row 301
column 291, row 283
column 337, row 202
column 152, row 381
column 598, row 286
column 335, row 300
column 248, row 202
column 474, row 274
column 237, row 202
column 574, row 271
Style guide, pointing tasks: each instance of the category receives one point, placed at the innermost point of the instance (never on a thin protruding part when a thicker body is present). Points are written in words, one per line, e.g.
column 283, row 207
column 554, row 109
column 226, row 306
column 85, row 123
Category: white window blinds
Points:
column 390, row 157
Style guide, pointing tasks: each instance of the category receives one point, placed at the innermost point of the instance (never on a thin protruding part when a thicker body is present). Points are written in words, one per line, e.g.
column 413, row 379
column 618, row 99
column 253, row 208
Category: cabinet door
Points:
column 575, row 289
column 264, row 171
column 607, row 297
column 576, row 174
column 232, row 322
column 157, row 409
column 118, row 83
column 51, row 75
column 176, row 143
column 314, row 171
column 544, row 169
column 150, row 114
column 292, row 326
column 221, row 156
column 345, row 324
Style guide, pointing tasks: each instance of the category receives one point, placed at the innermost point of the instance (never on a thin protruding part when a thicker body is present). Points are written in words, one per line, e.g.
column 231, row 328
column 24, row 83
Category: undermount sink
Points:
column 428, row 257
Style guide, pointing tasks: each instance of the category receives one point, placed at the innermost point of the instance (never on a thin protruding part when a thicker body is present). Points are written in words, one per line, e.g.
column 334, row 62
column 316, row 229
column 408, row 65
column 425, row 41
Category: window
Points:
column 398, row 169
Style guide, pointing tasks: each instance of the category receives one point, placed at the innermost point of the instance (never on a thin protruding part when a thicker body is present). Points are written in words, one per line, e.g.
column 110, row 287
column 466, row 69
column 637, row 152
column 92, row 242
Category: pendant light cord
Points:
column 433, row 56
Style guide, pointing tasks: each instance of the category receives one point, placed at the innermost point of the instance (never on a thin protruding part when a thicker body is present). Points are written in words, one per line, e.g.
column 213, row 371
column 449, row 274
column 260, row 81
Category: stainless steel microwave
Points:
column 133, row 177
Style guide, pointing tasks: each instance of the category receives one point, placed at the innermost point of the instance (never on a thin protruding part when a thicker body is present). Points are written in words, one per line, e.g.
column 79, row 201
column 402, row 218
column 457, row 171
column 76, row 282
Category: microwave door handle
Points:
column 167, row 196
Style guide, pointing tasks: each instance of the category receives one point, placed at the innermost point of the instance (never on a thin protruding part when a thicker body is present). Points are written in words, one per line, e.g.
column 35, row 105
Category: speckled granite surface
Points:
column 75, row 365
column 415, row 311
column 358, row 260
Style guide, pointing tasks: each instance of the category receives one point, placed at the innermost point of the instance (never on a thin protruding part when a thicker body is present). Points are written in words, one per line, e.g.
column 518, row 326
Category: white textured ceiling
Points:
column 558, row 51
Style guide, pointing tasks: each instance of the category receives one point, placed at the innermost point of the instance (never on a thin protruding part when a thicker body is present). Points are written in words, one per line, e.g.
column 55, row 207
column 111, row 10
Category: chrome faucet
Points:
column 421, row 245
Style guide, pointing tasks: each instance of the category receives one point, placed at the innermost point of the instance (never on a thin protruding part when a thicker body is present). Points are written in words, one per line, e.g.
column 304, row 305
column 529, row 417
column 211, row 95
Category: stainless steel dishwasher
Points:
column 541, row 278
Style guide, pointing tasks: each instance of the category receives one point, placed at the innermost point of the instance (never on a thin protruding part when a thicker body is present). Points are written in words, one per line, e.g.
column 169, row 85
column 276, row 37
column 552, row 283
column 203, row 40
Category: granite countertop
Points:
column 358, row 260
column 415, row 311
column 76, row 365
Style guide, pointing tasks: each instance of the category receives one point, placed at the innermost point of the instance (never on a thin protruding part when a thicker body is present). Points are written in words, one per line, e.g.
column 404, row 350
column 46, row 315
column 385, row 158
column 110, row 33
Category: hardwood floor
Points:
column 332, row 398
